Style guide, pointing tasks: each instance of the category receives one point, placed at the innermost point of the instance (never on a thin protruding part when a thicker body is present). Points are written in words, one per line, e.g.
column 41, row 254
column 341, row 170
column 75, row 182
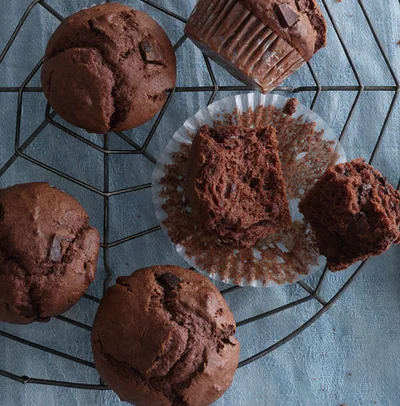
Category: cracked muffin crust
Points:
column 108, row 68
column 235, row 184
column 48, row 252
column 165, row 336
column 354, row 212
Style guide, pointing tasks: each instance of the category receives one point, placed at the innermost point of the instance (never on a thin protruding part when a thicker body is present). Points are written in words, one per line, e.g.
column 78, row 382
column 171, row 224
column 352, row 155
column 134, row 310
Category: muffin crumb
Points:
column 291, row 107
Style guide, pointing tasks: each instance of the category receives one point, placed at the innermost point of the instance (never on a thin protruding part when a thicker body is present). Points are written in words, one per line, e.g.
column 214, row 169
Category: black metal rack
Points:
column 313, row 293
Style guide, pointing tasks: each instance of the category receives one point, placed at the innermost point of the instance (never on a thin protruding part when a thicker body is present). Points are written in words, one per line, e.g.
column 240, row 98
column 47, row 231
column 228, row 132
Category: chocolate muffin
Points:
column 108, row 68
column 48, row 252
column 165, row 336
column 354, row 212
column 260, row 42
column 235, row 184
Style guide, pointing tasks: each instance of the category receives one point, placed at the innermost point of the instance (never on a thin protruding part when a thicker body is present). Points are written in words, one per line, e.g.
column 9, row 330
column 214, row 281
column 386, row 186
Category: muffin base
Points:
column 249, row 50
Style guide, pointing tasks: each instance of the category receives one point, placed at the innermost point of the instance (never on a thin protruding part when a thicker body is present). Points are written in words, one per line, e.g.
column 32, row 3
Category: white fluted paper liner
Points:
column 238, row 271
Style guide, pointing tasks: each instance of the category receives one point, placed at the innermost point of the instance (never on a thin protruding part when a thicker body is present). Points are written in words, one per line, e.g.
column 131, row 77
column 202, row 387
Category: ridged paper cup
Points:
column 307, row 146
column 248, row 49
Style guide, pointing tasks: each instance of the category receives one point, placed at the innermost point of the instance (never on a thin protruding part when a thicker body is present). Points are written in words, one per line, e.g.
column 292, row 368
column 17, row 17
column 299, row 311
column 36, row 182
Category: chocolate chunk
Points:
column 58, row 246
column 287, row 16
column 254, row 182
column 168, row 281
column 151, row 53
column 2, row 212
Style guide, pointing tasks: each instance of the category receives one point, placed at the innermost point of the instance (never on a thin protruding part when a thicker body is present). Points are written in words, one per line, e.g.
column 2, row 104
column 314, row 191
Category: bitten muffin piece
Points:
column 108, row 68
column 48, row 252
column 165, row 336
column 354, row 212
column 235, row 183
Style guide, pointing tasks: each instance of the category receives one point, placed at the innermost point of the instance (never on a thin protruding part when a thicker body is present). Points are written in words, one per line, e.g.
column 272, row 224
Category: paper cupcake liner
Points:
column 248, row 49
column 307, row 146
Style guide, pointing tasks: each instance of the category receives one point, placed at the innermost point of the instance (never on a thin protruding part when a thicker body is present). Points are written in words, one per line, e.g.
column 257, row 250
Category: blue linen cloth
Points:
column 352, row 354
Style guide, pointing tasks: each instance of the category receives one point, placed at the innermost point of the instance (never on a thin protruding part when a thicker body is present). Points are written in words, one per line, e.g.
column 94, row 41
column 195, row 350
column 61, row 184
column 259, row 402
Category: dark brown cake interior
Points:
column 354, row 212
column 235, row 183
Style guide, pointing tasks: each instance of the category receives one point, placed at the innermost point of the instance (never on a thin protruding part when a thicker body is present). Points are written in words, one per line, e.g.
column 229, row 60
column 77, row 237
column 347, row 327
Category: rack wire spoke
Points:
column 133, row 237
column 74, row 323
column 62, row 174
column 230, row 290
column 307, row 324
column 47, row 349
column 17, row 30
column 180, row 42
column 25, row 380
column 321, row 280
column 213, row 79
column 353, row 68
column 158, row 120
column 51, row 10
column 164, row 10
column 393, row 74
column 106, row 218
column 134, row 149
column 318, row 86
column 378, row 42
column 274, row 311
column 91, row 298
column 19, row 150
column 12, row 89
column 137, row 147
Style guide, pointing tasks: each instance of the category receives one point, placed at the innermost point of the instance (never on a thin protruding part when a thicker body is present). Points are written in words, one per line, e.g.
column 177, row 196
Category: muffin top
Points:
column 299, row 22
column 108, row 68
column 48, row 252
column 165, row 336
column 354, row 212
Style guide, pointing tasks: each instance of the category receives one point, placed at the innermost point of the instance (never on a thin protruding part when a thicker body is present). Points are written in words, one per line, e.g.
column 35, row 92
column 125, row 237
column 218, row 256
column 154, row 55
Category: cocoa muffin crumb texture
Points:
column 282, row 257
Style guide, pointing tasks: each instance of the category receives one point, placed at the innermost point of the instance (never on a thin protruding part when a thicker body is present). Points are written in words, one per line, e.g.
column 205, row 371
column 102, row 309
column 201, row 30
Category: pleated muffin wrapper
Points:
column 248, row 49
column 307, row 147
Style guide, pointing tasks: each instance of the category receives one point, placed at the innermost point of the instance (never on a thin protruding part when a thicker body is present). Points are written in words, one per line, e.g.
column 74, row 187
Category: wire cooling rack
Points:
column 313, row 293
